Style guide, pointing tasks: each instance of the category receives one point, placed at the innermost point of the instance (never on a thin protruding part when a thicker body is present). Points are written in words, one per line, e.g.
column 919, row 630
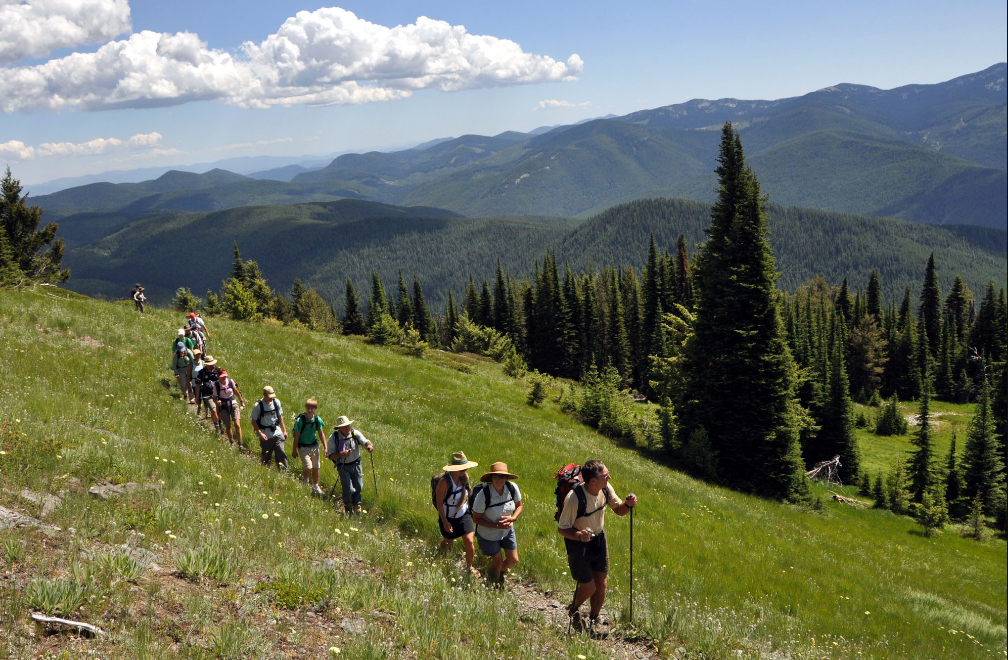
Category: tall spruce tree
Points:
column 377, row 304
column 470, row 300
column 931, row 308
column 983, row 471
column 873, row 296
column 451, row 319
column 10, row 272
column 631, row 293
column 684, row 295
column 353, row 321
column 843, row 302
column 404, row 307
column 957, row 305
column 651, row 290
column 739, row 373
column 836, row 435
column 28, row 243
column 486, row 311
column 617, row 345
column 422, row 319
column 920, row 467
column 954, row 486
column 501, row 323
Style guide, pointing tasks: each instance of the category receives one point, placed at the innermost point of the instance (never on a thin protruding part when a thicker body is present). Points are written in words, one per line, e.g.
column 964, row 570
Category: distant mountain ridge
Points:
column 927, row 153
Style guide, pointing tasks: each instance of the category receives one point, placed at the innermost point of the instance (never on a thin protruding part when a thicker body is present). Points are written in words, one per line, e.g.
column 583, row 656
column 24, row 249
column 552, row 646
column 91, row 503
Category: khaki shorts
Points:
column 309, row 456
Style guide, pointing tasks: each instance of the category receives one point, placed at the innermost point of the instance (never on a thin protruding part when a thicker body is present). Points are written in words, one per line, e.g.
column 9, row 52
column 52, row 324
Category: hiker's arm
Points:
column 297, row 434
column 283, row 427
column 575, row 534
column 624, row 507
column 514, row 514
column 439, row 495
column 321, row 438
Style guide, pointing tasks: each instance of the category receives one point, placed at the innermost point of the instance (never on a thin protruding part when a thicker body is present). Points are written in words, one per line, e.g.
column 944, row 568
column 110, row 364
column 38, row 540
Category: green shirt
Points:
column 308, row 429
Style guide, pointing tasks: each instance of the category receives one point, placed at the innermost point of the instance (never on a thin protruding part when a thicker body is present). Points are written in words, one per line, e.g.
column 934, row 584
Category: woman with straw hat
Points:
column 496, row 505
column 451, row 496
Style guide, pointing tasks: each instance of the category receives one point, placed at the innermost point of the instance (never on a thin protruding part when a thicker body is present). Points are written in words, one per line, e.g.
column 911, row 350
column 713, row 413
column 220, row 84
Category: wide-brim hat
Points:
column 459, row 463
column 209, row 360
column 498, row 469
column 342, row 421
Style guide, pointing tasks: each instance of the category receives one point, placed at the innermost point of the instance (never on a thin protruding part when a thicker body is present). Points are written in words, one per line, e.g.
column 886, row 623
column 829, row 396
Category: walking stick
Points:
column 335, row 483
column 373, row 477
column 631, row 562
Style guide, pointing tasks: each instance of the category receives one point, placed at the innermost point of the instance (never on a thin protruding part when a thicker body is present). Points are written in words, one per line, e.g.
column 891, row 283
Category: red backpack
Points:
column 569, row 478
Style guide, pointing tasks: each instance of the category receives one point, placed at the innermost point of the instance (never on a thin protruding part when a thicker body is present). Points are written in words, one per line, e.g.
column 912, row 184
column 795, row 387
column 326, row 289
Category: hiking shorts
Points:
column 460, row 526
column 587, row 558
column 493, row 548
column 208, row 403
column 231, row 409
column 309, row 455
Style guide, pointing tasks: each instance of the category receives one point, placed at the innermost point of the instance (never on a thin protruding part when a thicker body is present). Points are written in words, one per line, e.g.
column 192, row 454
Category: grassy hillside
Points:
column 323, row 244
column 715, row 571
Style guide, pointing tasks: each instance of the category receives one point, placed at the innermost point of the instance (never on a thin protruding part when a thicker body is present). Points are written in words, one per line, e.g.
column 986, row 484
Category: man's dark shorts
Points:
column 460, row 526
column 585, row 559
column 493, row 548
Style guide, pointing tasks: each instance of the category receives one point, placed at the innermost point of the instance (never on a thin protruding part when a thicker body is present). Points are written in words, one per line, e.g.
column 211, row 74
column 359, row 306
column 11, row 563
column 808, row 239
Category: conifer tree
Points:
column 451, row 319
column 297, row 289
column 843, row 302
column 984, row 334
column 930, row 308
column 617, row 346
column 404, row 307
column 377, row 304
column 957, row 305
column 651, row 291
column 591, row 321
column 237, row 265
column 631, row 294
column 685, row 293
column 983, row 471
column 920, row 468
column 836, row 435
column 26, row 241
column 873, row 296
column 10, row 272
column 574, row 325
column 954, row 486
column 943, row 382
column 486, row 311
column 470, row 302
column 423, row 321
column 501, row 323
column 739, row 373
column 353, row 321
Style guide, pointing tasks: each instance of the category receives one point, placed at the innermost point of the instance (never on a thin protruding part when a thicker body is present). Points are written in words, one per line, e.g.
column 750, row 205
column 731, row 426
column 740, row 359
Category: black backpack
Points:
column 277, row 413
column 484, row 490
column 436, row 479
column 304, row 422
column 569, row 478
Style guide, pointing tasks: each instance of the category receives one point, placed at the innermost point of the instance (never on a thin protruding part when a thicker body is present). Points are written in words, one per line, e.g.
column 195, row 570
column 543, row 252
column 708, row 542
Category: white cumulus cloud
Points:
column 325, row 57
column 553, row 104
column 150, row 142
column 16, row 150
column 33, row 28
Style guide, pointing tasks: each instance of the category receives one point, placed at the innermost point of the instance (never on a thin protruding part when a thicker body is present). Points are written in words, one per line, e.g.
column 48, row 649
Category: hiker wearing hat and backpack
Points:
column 307, row 436
column 182, row 362
column 496, row 505
column 582, row 524
column 137, row 294
column 227, row 397
column 343, row 450
column 205, row 385
column 268, row 423
column 450, row 494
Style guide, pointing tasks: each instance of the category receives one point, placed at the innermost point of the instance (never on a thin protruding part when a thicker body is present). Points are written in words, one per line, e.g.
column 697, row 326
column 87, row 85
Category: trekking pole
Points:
column 373, row 477
column 631, row 561
column 335, row 483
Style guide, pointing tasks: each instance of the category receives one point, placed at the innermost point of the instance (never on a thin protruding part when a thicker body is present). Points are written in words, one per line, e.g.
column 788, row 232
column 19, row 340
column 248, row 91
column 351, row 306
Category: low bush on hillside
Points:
column 185, row 301
column 890, row 421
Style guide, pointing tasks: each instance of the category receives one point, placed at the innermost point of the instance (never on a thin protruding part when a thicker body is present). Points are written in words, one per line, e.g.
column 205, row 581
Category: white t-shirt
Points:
column 595, row 520
column 499, row 505
column 456, row 503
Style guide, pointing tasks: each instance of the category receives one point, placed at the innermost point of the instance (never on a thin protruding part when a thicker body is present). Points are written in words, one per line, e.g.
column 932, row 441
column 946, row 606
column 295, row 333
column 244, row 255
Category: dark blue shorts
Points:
column 493, row 548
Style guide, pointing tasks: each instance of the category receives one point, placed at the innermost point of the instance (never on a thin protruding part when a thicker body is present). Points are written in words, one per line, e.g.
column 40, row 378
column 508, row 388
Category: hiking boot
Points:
column 358, row 509
column 317, row 490
column 576, row 620
column 596, row 628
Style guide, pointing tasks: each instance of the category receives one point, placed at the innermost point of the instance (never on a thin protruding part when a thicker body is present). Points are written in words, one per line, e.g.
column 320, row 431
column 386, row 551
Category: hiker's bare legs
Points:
column 470, row 550
column 446, row 545
column 598, row 597
column 314, row 476
column 510, row 560
column 237, row 425
column 583, row 593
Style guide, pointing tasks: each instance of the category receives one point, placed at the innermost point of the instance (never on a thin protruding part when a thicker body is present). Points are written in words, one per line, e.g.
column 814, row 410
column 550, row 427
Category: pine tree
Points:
column 685, row 293
column 377, row 304
column 26, row 241
column 451, row 319
column 297, row 289
column 651, row 291
column 404, row 307
column 836, row 435
column 930, row 308
column 958, row 303
column 591, row 322
column 873, row 296
column 631, row 293
column 954, row 486
column 617, row 346
column 843, row 302
column 237, row 266
column 423, row 321
column 983, row 471
column 921, row 469
column 10, row 272
column 984, row 335
column 573, row 325
column 739, row 373
column 943, row 382
column 501, row 323
column 486, row 312
column 470, row 299
column 353, row 321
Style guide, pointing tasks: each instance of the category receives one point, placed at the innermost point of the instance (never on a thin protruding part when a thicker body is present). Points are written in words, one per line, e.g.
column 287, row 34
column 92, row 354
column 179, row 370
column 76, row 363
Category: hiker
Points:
column 451, row 497
column 227, row 397
column 197, row 369
column 344, row 450
column 197, row 324
column 268, row 423
column 582, row 524
column 496, row 505
column 182, row 363
column 207, row 378
column 307, row 436
column 137, row 294
column 194, row 337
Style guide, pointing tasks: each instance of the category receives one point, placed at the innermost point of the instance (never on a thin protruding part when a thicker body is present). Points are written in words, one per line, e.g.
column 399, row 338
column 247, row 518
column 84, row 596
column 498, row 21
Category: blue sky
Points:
column 629, row 56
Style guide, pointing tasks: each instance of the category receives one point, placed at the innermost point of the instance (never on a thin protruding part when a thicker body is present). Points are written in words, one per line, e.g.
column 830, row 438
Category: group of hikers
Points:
column 483, row 515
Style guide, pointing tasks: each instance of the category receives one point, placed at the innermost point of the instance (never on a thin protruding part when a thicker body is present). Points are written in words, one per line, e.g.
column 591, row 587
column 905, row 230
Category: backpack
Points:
column 436, row 479
column 484, row 490
column 303, row 418
column 277, row 413
column 569, row 478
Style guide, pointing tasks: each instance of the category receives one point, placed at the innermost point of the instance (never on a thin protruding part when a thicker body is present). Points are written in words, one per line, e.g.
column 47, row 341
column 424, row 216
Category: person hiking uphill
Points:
column 227, row 397
column 496, row 505
column 268, row 423
column 307, row 436
column 344, row 450
column 182, row 363
column 451, row 497
column 197, row 324
column 207, row 378
column 137, row 294
column 582, row 524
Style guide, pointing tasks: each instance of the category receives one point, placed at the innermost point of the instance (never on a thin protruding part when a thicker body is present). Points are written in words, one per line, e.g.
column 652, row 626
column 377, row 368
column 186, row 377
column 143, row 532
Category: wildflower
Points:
column 201, row 483
column 276, row 514
column 354, row 529
column 334, row 651
column 168, row 532
column 218, row 504
column 867, row 612
column 265, row 516
column 172, row 536
column 205, row 493
column 580, row 657
column 409, row 563
column 337, row 531
column 2, row 452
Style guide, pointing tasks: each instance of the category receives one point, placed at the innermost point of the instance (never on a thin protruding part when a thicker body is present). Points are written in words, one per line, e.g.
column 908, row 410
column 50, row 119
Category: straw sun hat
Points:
column 498, row 469
column 459, row 462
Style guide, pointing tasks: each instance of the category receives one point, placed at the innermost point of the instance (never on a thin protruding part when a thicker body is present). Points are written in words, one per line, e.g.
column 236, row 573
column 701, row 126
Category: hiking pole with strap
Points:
column 631, row 561
column 335, row 483
column 373, row 476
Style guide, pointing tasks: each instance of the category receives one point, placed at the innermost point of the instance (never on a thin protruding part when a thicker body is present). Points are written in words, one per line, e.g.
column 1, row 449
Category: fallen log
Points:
column 87, row 628
column 848, row 500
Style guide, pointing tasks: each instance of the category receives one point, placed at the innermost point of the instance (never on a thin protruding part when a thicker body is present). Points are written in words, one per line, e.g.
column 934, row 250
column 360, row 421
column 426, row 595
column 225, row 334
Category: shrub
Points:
column 878, row 493
column 59, row 596
column 385, row 331
column 212, row 561
column 890, row 421
column 876, row 400
column 897, row 493
column 239, row 301
column 699, row 456
column 975, row 521
column 861, row 421
column 413, row 342
column 514, row 365
column 538, row 387
column 212, row 306
column 481, row 340
column 932, row 512
column 185, row 301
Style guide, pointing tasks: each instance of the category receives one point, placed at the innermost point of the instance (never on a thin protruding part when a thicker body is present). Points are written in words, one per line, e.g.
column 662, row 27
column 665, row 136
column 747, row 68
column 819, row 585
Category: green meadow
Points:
column 252, row 566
